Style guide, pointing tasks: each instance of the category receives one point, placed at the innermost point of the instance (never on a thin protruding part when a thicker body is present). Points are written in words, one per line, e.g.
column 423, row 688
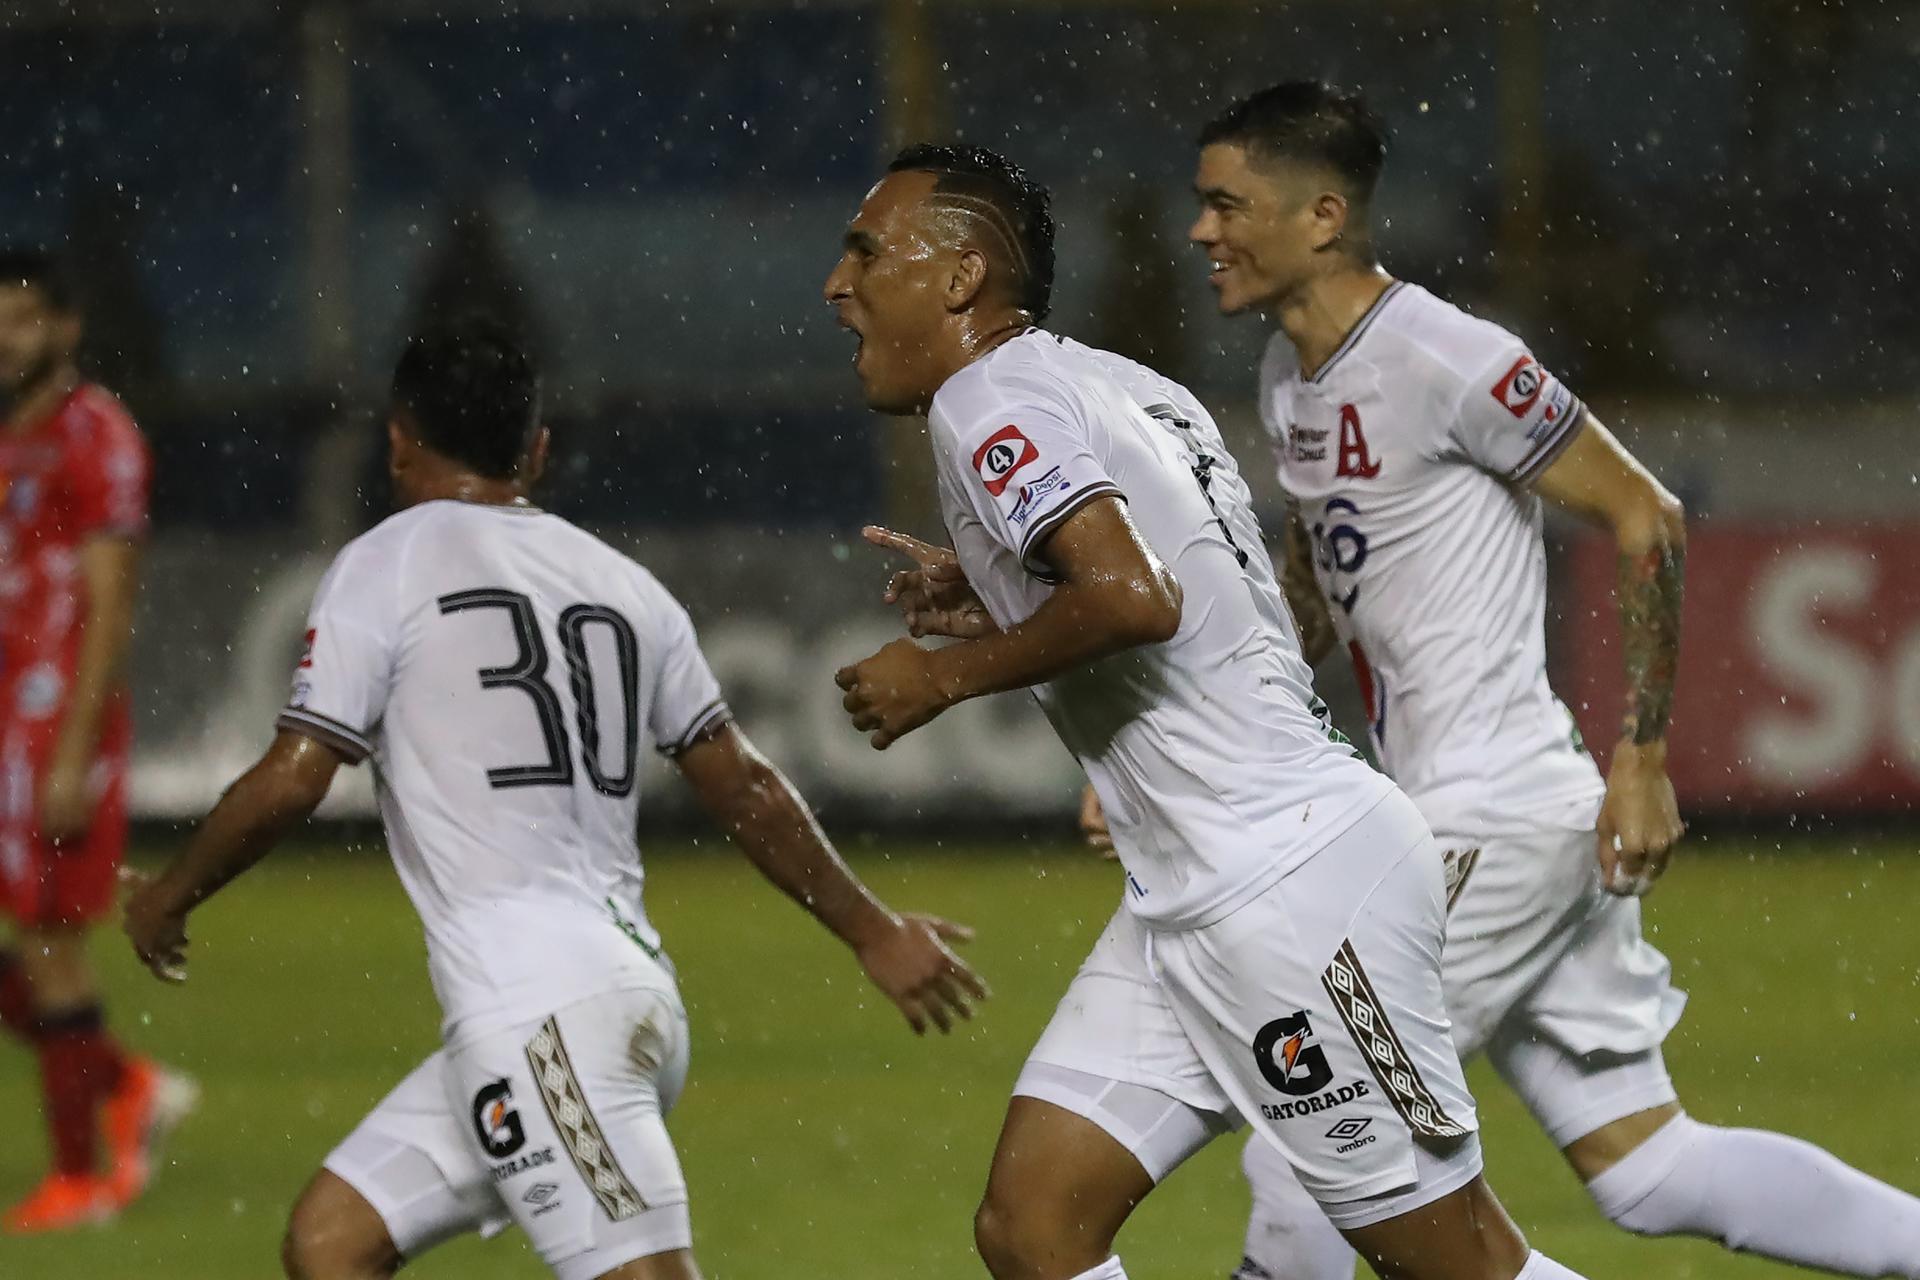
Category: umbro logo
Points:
column 542, row 1196
column 1351, row 1133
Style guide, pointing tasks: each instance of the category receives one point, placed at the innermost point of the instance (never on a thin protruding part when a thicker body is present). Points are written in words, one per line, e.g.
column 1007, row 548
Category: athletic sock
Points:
column 16, row 998
column 1288, row 1235
column 79, row 1066
column 1108, row 1270
column 1541, row 1267
column 1763, row 1193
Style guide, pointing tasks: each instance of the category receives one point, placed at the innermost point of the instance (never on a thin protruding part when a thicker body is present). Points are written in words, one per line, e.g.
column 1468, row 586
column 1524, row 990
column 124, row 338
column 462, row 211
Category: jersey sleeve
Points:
column 108, row 479
column 686, row 707
column 341, row 686
column 1513, row 417
column 1026, row 469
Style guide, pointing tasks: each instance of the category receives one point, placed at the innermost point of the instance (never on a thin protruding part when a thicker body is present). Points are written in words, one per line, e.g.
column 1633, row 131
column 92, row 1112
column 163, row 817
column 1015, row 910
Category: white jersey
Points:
column 501, row 668
column 1410, row 453
column 1216, row 774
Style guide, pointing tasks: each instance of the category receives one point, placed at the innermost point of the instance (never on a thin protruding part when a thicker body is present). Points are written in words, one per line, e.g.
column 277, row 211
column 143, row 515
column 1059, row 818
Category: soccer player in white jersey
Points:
column 1416, row 443
column 502, row 669
column 1277, row 953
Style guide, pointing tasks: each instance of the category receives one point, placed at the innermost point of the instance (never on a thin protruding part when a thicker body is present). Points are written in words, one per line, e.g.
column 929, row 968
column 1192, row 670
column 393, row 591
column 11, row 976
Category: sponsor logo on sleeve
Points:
column 1032, row 492
column 1519, row 387
column 306, row 651
column 1559, row 401
column 1000, row 455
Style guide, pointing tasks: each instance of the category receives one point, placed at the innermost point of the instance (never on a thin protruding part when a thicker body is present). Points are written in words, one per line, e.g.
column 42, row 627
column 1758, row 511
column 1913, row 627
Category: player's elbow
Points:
column 1654, row 521
column 282, row 793
column 1146, row 608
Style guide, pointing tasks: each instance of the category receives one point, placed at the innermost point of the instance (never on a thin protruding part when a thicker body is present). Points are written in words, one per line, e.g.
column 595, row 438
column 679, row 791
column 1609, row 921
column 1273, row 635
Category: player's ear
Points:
column 400, row 446
column 1329, row 211
column 969, row 278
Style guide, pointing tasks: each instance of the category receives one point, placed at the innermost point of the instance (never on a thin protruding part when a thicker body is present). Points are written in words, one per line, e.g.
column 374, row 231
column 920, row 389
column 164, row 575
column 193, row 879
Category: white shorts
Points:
column 1548, row 974
column 556, row 1124
column 1315, row 1012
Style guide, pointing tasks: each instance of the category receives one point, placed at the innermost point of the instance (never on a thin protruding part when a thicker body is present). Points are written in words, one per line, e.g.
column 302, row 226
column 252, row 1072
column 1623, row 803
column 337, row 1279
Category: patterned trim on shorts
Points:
column 1366, row 1019
column 1459, row 865
column 580, row 1133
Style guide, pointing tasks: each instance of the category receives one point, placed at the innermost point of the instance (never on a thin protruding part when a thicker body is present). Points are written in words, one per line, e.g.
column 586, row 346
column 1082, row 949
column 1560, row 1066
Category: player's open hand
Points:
column 158, row 933
column 911, row 963
column 893, row 692
column 1639, row 820
column 1093, row 824
column 934, row 597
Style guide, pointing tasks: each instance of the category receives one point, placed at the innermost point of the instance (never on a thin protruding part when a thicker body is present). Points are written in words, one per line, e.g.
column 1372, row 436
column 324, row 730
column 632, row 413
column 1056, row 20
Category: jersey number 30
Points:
column 528, row 673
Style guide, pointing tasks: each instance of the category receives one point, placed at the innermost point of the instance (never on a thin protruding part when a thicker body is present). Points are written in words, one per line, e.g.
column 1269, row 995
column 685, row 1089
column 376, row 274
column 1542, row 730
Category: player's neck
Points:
column 1318, row 317
column 466, row 486
column 980, row 337
column 39, row 401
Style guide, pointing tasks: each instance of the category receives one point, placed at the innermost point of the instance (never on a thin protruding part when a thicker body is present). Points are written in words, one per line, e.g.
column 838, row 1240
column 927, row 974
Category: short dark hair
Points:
column 473, row 394
column 1311, row 121
column 42, row 272
column 1018, row 209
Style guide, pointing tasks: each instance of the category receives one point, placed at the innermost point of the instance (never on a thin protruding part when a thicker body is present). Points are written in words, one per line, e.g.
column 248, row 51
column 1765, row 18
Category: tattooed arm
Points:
column 1601, row 481
column 1304, row 598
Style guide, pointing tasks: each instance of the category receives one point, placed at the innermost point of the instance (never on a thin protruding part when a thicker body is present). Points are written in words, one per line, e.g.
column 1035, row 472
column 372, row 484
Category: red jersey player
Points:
column 73, row 508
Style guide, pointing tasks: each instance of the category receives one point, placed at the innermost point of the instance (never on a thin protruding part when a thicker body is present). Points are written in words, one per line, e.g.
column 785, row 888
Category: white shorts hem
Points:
column 1373, row 1207
column 1606, row 1110
column 665, row 1228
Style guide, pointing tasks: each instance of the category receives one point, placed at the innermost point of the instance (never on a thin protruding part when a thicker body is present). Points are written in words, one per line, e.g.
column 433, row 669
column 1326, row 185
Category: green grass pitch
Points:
column 822, row 1139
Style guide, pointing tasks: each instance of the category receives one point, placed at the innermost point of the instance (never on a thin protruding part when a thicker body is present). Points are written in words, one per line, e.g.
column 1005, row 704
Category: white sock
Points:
column 1108, row 1270
column 1288, row 1235
column 1763, row 1193
column 1541, row 1267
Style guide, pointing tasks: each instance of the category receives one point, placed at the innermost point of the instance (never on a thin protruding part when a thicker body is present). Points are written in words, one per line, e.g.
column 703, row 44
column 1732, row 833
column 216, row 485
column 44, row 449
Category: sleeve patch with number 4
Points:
column 1000, row 455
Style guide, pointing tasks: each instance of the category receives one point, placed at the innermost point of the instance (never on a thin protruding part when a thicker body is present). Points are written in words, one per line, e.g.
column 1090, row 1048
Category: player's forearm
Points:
column 1080, row 623
column 776, row 830
column 1304, row 599
column 256, row 812
column 103, row 646
column 1652, row 573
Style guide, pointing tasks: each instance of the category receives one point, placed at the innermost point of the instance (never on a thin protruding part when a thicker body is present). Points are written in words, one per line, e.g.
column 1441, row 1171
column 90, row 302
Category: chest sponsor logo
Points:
column 39, row 692
column 1519, row 387
column 1356, row 460
column 1031, row 493
column 1306, row 444
column 1000, row 455
column 495, row 1121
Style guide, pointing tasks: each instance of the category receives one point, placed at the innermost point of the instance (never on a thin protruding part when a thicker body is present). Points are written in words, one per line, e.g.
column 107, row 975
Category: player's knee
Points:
column 1007, row 1239
column 1018, row 1241
column 327, row 1240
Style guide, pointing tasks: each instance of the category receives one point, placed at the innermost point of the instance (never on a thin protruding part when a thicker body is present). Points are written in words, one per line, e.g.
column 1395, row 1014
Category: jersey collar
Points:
column 1358, row 331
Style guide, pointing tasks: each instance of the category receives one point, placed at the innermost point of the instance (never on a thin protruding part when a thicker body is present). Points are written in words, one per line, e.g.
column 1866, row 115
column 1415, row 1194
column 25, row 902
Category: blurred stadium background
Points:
column 1703, row 215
